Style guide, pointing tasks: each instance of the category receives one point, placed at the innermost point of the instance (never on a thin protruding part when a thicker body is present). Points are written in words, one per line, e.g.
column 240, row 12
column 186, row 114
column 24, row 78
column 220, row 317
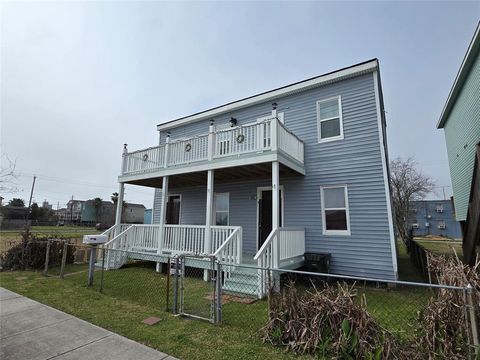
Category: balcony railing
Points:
column 268, row 135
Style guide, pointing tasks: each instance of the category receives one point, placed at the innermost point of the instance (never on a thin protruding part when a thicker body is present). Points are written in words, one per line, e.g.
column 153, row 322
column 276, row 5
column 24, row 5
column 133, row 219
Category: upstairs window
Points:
column 329, row 118
column 335, row 212
column 222, row 206
column 439, row 208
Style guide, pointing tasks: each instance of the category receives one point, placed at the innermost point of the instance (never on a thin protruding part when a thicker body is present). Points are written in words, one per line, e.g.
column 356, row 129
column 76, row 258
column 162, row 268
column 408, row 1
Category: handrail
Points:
column 117, row 236
column 264, row 246
column 143, row 150
column 227, row 240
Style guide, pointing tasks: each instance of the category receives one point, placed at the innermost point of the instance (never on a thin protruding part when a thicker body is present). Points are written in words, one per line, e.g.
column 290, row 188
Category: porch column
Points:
column 276, row 211
column 118, row 214
column 163, row 214
column 121, row 192
column 209, row 212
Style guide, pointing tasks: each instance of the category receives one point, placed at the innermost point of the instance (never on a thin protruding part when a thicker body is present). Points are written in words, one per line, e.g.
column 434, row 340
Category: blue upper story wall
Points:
column 429, row 215
column 358, row 160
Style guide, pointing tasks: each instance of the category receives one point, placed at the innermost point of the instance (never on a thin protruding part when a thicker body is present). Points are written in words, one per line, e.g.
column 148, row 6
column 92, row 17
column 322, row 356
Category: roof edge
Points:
column 465, row 67
column 337, row 75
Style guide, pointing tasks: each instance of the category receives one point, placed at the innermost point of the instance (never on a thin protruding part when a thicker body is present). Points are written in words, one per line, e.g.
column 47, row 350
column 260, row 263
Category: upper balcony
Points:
column 255, row 143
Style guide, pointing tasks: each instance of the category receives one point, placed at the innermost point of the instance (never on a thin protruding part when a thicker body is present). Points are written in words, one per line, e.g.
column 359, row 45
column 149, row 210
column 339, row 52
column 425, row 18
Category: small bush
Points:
column 30, row 254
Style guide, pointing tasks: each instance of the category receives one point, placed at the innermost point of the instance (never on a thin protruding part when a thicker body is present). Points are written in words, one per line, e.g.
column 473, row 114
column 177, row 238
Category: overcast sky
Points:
column 79, row 79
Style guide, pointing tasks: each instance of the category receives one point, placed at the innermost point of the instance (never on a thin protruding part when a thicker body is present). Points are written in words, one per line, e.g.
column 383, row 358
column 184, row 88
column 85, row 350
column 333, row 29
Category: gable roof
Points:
column 468, row 61
column 354, row 70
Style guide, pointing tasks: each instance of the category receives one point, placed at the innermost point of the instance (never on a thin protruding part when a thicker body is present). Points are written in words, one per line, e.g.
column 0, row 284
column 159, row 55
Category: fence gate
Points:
column 196, row 287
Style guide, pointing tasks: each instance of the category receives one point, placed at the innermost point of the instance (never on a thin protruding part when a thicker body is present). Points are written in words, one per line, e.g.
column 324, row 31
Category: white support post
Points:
column 208, row 218
column 276, row 211
column 121, row 191
column 273, row 133
column 167, row 150
column 163, row 214
column 211, row 141
column 209, row 212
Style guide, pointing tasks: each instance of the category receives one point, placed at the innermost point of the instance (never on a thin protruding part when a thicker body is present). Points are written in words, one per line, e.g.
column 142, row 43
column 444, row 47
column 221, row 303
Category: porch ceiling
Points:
column 247, row 172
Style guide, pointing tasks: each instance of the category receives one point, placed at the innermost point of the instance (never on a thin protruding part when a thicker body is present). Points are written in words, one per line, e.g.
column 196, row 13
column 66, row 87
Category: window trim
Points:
column 347, row 210
column 223, row 211
column 340, row 117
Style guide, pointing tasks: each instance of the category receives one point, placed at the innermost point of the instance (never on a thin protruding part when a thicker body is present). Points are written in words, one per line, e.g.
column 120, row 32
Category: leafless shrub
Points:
column 328, row 322
column 443, row 330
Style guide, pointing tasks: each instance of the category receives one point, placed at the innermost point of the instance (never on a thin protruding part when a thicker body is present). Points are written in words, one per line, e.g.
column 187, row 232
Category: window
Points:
column 329, row 118
column 222, row 205
column 439, row 208
column 335, row 214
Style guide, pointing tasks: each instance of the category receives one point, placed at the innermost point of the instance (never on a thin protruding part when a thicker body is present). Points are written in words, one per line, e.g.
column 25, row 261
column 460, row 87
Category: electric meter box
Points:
column 95, row 239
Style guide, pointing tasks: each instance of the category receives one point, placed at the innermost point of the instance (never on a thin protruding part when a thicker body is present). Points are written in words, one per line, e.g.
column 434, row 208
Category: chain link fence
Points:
column 257, row 301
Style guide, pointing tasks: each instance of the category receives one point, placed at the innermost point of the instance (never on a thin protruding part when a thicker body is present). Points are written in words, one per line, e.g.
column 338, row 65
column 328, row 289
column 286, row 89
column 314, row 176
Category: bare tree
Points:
column 7, row 175
column 408, row 184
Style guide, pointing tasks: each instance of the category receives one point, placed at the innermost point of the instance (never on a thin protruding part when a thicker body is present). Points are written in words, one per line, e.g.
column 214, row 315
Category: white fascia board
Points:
column 304, row 85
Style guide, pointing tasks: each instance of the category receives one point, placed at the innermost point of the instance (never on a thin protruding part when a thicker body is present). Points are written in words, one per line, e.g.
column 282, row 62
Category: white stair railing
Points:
column 265, row 258
column 230, row 252
column 291, row 242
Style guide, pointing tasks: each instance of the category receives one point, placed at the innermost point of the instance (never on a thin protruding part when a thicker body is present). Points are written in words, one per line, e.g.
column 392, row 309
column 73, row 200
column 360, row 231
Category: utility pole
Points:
column 27, row 227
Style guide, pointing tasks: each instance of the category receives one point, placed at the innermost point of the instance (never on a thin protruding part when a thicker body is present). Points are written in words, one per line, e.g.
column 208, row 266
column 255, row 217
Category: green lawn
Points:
column 407, row 271
column 441, row 247
column 137, row 292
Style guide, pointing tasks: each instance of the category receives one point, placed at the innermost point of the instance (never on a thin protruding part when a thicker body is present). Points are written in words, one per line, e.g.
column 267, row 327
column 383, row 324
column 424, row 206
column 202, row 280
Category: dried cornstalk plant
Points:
column 443, row 327
column 328, row 322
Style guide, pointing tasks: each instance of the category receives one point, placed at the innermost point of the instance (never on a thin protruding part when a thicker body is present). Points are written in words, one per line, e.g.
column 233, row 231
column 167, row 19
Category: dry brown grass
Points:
column 328, row 322
column 444, row 330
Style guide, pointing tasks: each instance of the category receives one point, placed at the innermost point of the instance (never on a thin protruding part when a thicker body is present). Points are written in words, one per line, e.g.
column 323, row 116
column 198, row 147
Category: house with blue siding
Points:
column 265, row 179
column 434, row 217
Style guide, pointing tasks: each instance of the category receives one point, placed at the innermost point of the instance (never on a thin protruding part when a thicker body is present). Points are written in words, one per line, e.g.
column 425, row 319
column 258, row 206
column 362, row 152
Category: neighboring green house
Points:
column 460, row 120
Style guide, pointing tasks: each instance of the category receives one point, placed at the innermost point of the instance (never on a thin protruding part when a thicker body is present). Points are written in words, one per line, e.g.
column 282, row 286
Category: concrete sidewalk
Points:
column 30, row 330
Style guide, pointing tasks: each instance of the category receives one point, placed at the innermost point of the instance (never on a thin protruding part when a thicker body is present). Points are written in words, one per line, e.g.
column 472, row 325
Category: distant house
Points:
column 434, row 217
column 133, row 213
column 105, row 213
column 147, row 217
column 74, row 211
column 460, row 121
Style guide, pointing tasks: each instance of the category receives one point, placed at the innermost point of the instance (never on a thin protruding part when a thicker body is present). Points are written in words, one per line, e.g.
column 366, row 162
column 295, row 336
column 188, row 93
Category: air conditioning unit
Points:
column 427, row 224
column 441, row 226
column 414, row 226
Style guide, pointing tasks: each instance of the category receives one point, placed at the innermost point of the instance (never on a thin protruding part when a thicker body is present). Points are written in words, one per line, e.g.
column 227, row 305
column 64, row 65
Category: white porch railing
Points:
column 177, row 239
column 188, row 151
column 291, row 242
column 115, row 229
column 281, row 244
column 184, row 239
column 267, row 135
column 230, row 251
column 290, row 143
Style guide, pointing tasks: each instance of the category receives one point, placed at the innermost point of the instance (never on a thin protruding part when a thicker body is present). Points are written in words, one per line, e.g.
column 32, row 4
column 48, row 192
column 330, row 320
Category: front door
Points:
column 265, row 215
column 173, row 209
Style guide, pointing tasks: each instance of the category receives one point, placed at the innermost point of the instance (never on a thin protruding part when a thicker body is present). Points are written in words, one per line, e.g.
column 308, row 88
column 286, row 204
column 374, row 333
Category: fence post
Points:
column 47, row 258
column 64, row 259
column 103, row 268
column 168, row 284
column 175, row 289
column 218, row 280
column 473, row 318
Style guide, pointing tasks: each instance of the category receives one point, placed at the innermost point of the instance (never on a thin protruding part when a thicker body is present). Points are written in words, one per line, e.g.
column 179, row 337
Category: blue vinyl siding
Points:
column 355, row 161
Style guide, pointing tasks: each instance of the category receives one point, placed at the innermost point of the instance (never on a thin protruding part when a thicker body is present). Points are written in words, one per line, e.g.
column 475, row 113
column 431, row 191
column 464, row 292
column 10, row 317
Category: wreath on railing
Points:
column 240, row 138
column 188, row 147
column 145, row 157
